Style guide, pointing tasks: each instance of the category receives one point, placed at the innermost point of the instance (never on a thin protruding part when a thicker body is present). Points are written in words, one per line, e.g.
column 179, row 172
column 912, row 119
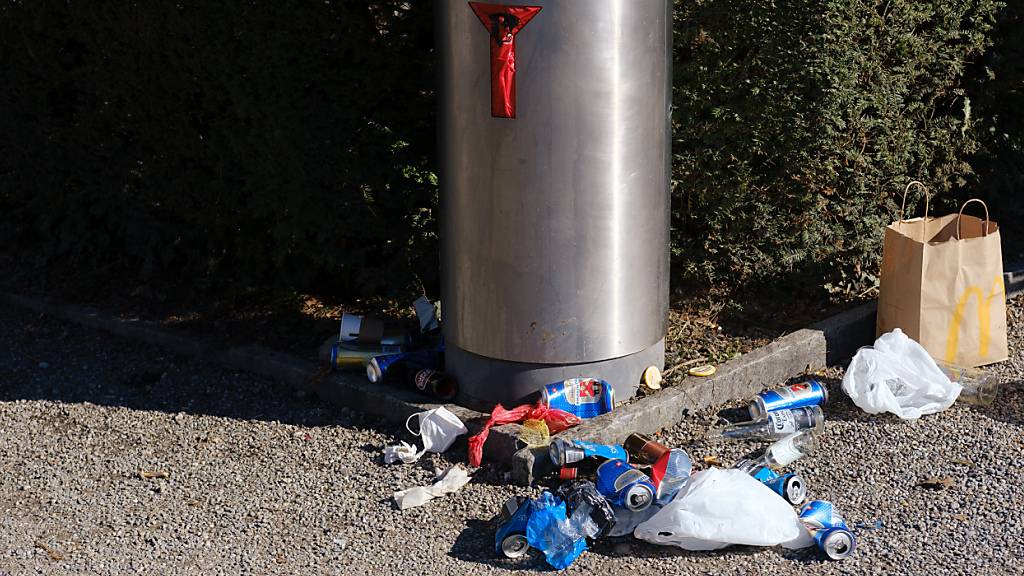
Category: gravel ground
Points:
column 261, row 481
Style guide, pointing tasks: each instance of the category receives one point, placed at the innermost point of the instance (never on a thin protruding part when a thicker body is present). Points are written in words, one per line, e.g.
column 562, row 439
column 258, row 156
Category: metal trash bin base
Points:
column 483, row 381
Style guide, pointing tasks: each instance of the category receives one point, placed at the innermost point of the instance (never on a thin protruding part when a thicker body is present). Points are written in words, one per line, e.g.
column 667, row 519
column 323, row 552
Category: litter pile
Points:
column 642, row 487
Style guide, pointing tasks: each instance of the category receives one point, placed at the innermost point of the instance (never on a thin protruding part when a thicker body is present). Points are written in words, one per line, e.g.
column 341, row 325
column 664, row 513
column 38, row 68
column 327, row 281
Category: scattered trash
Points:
column 828, row 529
column 557, row 420
column 401, row 366
column 936, row 483
column 510, row 538
column 712, row 461
column 777, row 424
column 719, row 507
column 670, row 468
column 683, row 365
column 702, row 371
column 583, row 397
column 438, row 429
column 623, row 485
column 404, row 452
column 534, row 433
column 446, row 483
column 652, row 378
column 644, row 449
column 980, row 387
column 44, row 365
column 627, row 520
column 426, row 313
column 897, row 375
column 153, row 474
column 809, row 393
column 579, row 492
column 562, row 538
column 371, row 331
column 790, row 486
column 782, row 453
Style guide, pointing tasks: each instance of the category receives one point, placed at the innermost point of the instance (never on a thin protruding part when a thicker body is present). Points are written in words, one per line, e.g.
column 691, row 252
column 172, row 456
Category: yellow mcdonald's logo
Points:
column 984, row 327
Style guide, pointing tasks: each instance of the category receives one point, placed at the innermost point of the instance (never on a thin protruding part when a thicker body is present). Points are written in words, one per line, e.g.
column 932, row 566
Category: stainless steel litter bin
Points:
column 555, row 161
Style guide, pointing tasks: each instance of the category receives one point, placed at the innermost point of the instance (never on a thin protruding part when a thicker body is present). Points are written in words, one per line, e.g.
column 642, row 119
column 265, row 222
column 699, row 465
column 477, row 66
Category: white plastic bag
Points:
column 719, row 507
column 897, row 375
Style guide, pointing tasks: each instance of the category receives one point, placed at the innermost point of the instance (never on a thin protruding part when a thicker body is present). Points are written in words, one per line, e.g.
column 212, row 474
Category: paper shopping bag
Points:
column 942, row 284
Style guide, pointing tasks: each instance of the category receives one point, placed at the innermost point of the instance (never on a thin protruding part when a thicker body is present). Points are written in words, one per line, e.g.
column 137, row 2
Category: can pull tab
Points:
column 503, row 23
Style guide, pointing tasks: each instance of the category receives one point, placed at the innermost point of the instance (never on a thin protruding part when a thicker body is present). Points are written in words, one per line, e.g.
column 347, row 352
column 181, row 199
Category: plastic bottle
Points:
column 777, row 424
column 979, row 386
column 782, row 453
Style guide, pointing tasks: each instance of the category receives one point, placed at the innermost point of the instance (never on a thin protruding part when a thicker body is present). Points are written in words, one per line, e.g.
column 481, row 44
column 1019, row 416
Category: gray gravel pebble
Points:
column 260, row 480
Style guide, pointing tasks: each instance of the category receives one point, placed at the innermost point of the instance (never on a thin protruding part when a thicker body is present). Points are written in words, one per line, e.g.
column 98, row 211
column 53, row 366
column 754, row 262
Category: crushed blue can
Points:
column 584, row 397
column 625, row 486
column 790, row 486
column 565, row 453
column 828, row 528
column 809, row 393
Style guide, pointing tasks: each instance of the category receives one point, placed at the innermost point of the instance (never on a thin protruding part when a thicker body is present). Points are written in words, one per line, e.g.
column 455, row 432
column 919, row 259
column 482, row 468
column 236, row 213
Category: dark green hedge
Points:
column 291, row 143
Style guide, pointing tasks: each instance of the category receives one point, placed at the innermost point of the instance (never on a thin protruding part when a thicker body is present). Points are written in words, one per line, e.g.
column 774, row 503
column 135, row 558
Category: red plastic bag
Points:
column 557, row 420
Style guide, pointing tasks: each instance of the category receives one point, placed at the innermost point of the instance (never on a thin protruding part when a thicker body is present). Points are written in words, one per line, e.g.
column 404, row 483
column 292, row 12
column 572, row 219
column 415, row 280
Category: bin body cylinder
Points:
column 554, row 165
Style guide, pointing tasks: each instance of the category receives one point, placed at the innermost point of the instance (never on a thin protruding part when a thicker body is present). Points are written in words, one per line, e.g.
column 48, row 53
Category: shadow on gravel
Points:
column 44, row 359
column 476, row 544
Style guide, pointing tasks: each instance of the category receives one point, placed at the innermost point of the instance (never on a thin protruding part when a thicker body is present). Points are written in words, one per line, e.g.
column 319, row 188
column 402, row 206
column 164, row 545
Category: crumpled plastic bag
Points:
column 718, row 507
column 557, row 420
column 561, row 539
column 897, row 375
column 446, row 483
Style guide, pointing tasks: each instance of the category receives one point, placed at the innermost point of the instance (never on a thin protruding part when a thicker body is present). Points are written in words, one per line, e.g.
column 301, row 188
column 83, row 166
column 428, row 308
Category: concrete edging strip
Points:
column 824, row 343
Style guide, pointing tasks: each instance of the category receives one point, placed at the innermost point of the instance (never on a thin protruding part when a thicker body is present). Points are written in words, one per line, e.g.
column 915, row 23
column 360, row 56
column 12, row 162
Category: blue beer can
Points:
column 625, row 486
column 584, row 397
column 809, row 393
column 790, row 486
column 828, row 528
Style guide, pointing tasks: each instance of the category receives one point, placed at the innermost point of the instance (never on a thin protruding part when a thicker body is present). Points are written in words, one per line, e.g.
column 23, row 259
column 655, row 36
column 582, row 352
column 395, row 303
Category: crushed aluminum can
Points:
column 829, row 529
column 624, row 485
column 565, row 453
column 584, row 397
column 510, row 538
column 670, row 473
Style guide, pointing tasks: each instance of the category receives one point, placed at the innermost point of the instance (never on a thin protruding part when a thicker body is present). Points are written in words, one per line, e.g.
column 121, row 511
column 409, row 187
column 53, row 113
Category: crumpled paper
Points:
column 404, row 452
column 447, row 482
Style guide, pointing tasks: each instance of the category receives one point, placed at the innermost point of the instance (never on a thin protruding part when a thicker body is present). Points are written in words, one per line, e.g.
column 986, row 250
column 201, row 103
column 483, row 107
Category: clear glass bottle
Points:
column 782, row 453
column 777, row 424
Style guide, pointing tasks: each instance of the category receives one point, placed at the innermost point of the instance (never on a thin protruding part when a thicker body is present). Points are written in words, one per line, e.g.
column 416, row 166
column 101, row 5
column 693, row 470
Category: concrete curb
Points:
column 833, row 339
column 340, row 388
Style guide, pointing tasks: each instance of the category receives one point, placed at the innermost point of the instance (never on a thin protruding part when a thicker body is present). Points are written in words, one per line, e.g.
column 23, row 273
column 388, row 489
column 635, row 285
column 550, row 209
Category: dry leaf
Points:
column 936, row 483
column 53, row 554
column 151, row 474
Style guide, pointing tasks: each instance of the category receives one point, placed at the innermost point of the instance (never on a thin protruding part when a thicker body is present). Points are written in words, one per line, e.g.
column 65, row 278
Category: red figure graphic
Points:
column 503, row 23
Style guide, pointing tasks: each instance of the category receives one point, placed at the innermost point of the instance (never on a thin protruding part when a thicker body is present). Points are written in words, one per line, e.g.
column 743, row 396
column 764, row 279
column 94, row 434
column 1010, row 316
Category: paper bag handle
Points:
column 961, row 213
column 903, row 207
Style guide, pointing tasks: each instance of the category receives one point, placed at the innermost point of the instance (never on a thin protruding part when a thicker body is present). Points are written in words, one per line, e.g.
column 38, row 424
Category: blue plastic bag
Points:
column 561, row 540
